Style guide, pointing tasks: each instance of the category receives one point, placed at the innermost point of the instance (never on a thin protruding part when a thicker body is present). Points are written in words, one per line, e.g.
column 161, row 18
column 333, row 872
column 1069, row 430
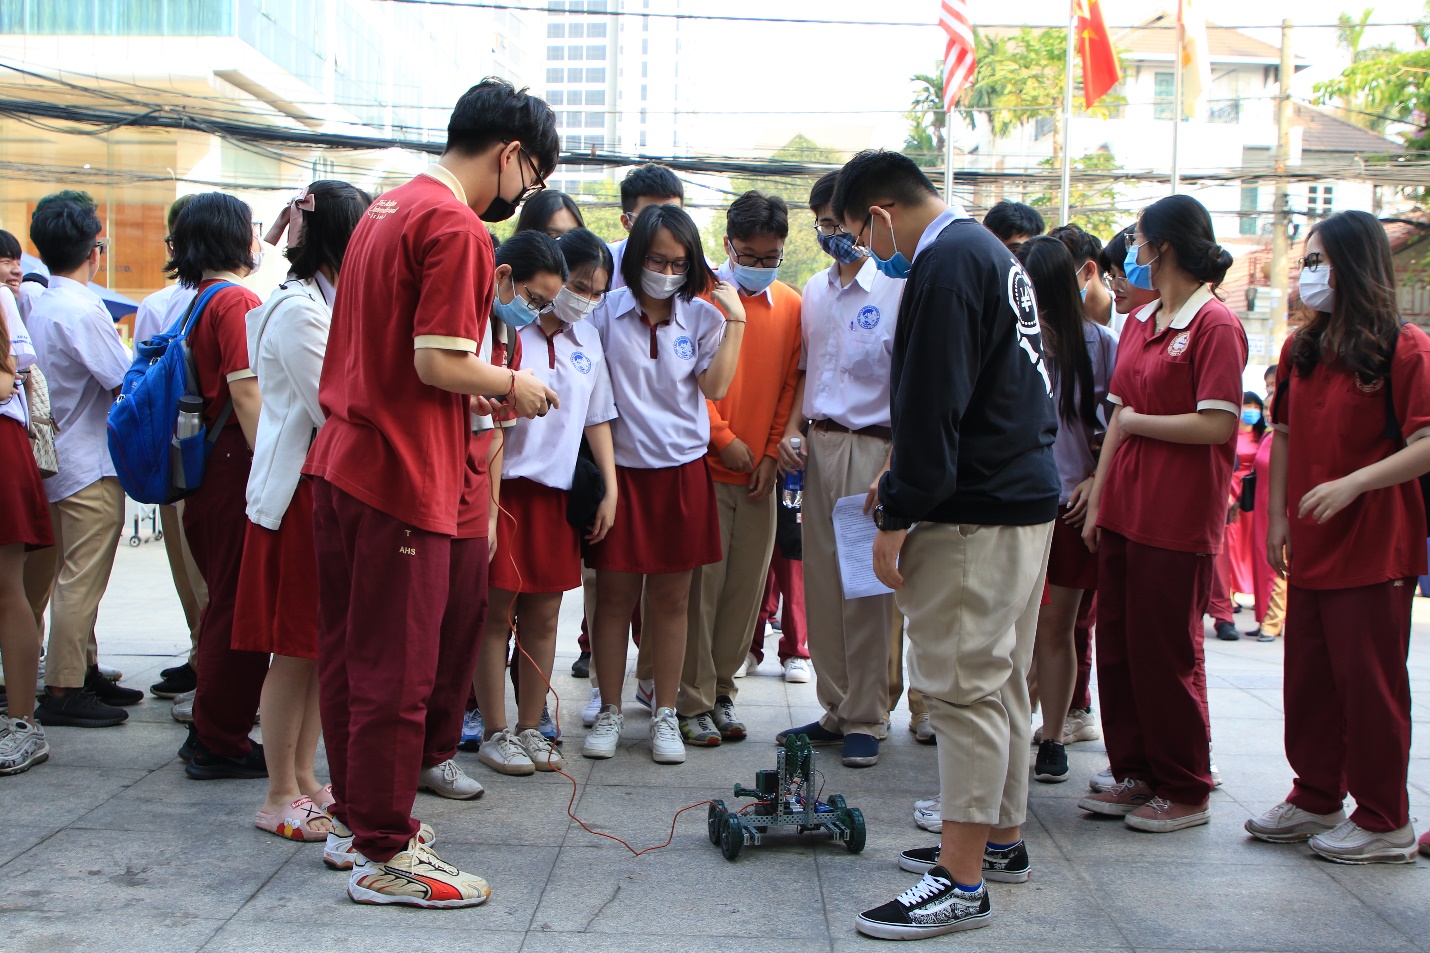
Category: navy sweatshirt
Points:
column 973, row 414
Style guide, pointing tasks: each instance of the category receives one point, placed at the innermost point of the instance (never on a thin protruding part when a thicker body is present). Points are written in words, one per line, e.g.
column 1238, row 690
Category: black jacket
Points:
column 973, row 415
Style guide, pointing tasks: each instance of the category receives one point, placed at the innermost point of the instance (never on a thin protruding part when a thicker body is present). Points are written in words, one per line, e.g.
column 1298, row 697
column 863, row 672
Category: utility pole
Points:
column 1065, row 192
column 1177, row 102
column 1281, row 229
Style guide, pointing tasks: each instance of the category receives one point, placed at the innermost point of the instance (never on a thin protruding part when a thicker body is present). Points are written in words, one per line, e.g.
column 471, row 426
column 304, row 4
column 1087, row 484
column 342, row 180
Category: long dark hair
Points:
column 536, row 211
column 1252, row 397
column 698, row 279
column 338, row 207
column 1063, row 321
column 583, row 249
column 1358, row 333
column 1184, row 223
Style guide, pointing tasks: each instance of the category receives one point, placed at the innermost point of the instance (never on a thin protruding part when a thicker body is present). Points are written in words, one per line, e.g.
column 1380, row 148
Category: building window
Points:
column 1043, row 127
column 575, row 53
column 1319, row 200
column 644, row 91
column 1250, row 205
column 595, row 97
column 597, row 142
column 645, row 69
column 555, row 31
column 555, row 75
column 597, row 53
column 645, row 24
column 595, row 30
column 571, row 120
column 576, row 30
column 1226, row 110
column 554, row 97
column 595, row 120
column 642, row 117
column 645, row 47
column 575, row 74
column 1163, row 88
column 596, row 74
column 556, row 53
column 555, row 5
column 642, row 138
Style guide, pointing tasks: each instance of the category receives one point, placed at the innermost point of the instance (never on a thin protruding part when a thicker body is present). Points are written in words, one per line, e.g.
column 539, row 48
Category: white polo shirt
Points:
column 618, row 250
column 848, row 334
column 158, row 311
column 84, row 361
column 572, row 363
column 22, row 352
column 663, row 421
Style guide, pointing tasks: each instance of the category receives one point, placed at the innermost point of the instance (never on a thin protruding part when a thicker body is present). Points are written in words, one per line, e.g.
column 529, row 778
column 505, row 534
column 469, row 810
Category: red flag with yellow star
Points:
column 1100, row 69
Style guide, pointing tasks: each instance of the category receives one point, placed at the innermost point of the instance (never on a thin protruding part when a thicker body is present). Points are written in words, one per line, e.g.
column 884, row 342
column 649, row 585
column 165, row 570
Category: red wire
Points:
column 516, row 635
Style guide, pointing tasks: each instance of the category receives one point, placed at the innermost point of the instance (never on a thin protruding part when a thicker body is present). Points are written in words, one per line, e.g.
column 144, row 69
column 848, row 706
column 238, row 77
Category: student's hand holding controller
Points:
column 529, row 396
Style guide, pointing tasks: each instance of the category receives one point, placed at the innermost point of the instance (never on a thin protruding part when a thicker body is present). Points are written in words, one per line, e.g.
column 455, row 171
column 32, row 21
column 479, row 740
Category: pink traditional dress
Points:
column 1262, row 575
column 1237, row 552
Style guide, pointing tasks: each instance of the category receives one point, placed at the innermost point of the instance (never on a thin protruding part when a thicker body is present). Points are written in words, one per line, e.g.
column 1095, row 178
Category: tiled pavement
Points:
column 108, row 847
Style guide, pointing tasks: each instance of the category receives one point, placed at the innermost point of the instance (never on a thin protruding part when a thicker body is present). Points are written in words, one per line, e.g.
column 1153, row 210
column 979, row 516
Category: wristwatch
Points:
column 888, row 522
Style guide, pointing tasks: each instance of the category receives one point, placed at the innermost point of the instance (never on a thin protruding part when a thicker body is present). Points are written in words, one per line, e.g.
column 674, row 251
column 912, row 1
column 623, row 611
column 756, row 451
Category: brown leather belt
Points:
column 834, row 426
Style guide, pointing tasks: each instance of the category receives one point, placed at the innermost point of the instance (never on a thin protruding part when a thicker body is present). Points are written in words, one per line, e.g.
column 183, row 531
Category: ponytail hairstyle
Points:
column 326, row 230
column 1061, row 315
column 1358, row 333
column 1183, row 223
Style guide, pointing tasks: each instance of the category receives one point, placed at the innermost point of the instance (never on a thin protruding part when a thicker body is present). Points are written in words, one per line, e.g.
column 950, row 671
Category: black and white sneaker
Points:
column 1051, row 767
column 931, row 907
column 1008, row 866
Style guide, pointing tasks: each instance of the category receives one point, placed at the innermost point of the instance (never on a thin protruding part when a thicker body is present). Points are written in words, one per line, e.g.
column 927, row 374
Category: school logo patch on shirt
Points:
column 684, row 348
column 868, row 317
column 381, row 209
column 581, row 362
column 1178, row 344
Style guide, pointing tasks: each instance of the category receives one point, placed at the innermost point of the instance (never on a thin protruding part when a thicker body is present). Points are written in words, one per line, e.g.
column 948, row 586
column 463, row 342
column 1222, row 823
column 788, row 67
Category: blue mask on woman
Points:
column 841, row 248
column 1250, row 416
column 517, row 313
column 1138, row 276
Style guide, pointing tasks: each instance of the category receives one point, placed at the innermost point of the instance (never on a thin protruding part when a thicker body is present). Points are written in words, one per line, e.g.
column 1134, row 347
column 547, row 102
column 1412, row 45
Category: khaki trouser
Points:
column 725, row 599
column 1275, row 619
column 40, row 583
column 896, row 670
column 849, row 639
column 971, row 594
column 645, row 668
column 188, row 581
column 87, row 524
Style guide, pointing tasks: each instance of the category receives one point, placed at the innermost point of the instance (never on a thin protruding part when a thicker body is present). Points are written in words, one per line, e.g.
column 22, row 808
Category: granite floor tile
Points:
column 50, row 931
column 398, row 932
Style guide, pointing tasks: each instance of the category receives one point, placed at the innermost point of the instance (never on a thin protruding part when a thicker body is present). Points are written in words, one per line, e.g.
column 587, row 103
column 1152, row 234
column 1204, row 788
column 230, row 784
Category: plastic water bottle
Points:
column 191, row 417
column 792, row 489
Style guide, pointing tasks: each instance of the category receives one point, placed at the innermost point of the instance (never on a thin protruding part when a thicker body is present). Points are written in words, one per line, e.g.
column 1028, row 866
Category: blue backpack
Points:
column 154, row 465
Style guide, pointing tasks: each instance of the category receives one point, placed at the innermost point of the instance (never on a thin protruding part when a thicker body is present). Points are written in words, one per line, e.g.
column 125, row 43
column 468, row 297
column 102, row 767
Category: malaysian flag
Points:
column 959, row 58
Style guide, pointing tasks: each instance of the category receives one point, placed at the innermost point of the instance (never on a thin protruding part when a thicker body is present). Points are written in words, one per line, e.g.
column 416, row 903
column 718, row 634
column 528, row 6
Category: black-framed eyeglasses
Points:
column 102, row 244
column 537, row 303
column 522, row 159
column 755, row 261
column 868, row 247
column 1312, row 261
column 678, row 266
column 830, row 229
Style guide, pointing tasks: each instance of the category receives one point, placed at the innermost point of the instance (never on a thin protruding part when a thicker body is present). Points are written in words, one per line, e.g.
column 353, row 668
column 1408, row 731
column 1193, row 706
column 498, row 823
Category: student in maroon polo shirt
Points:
column 1156, row 517
column 389, row 469
column 1347, row 525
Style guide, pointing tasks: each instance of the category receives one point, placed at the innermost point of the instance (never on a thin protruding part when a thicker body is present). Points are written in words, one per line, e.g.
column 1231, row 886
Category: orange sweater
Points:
column 760, row 397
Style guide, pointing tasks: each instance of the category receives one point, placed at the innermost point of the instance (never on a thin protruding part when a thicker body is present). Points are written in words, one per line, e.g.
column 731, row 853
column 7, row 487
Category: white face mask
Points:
column 257, row 261
column 660, row 286
column 1316, row 290
column 571, row 307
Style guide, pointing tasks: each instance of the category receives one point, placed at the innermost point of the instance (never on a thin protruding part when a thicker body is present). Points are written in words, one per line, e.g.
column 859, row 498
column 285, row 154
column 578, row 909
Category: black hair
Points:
column 1252, row 397
column 530, row 253
column 877, row 174
column 698, row 279
column 1114, row 253
column 754, row 214
column 64, row 232
column 175, row 207
column 1007, row 219
column 583, row 248
column 1184, row 223
column 494, row 111
column 214, row 232
column 337, row 208
column 1082, row 245
column 9, row 245
column 823, row 192
column 77, row 196
column 1063, row 320
column 536, row 212
column 1358, row 334
column 649, row 181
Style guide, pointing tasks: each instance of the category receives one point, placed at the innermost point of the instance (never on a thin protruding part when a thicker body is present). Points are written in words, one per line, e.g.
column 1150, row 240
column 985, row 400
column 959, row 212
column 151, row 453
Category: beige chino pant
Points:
column 188, row 581
column 725, row 599
column 87, row 527
column 896, row 670
column 971, row 595
column 849, row 639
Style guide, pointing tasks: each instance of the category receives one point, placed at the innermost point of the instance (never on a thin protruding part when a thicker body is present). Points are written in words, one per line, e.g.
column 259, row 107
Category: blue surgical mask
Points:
column 1138, row 276
column 896, row 266
column 754, row 280
column 1250, row 416
column 517, row 313
column 841, row 248
column 1083, row 294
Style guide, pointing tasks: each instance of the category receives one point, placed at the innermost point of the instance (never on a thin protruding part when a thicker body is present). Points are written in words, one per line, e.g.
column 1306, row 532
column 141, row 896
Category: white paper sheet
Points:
column 854, row 533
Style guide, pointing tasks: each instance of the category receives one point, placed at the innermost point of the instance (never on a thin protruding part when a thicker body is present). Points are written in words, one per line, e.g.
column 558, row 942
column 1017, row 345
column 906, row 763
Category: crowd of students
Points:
column 447, row 434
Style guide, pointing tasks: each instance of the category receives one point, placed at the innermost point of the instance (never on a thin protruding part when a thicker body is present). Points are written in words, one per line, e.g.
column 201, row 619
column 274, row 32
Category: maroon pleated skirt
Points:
column 1071, row 564
column 24, row 509
column 277, row 606
column 537, row 550
column 665, row 522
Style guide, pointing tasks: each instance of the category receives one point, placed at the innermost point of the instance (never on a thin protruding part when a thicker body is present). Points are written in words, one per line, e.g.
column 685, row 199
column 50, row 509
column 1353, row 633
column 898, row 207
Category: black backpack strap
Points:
column 1392, row 423
column 219, row 423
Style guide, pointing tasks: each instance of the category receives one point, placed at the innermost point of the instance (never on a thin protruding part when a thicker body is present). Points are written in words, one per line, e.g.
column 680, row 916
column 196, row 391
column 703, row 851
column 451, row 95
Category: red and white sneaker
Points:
column 1119, row 800
column 339, row 854
column 415, row 877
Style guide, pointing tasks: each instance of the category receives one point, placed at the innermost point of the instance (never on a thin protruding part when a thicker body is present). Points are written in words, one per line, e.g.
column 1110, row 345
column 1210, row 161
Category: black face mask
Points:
column 502, row 209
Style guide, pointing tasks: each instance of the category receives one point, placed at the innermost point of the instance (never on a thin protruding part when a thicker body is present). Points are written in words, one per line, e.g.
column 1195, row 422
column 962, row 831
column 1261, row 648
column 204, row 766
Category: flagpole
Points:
column 1065, row 193
column 948, row 157
column 1177, row 103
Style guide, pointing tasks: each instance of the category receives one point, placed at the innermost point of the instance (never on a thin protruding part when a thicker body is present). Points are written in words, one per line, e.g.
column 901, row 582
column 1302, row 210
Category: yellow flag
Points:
column 1196, row 58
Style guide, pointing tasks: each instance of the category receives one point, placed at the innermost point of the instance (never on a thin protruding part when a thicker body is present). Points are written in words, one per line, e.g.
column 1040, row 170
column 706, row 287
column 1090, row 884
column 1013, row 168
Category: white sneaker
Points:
column 338, row 852
column 645, row 692
column 416, row 877
column 108, row 672
column 1352, row 844
column 1081, row 726
column 797, row 671
column 40, row 678
column 665, row 744
column 1287, row 824
column 183, row 710
column 930, row 818
column 922, row 729
column 605, row 733
column 924, row 804
column 539, row 751
column 751, row 666
column 592, row 709
column 504, row 755
column 448, row 780
column 1102, row 781
column 22, row 745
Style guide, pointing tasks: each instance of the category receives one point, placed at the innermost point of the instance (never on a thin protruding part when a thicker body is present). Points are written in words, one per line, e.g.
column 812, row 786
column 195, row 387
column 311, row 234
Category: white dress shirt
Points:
column 848, row 334
column 663, row 421
column 84, row 362
column 158, row 311
column 22, row 352
column 618, row 250
column 572, row 363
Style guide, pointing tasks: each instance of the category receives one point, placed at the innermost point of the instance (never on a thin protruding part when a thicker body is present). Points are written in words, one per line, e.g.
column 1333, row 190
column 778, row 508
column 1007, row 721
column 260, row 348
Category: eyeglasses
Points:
column 755, row 261
column 523, row 158
column 1312, row 261
column 868, row 247
column 102, row 244
column 677, row 266
column 537, row 303
column 829, row 229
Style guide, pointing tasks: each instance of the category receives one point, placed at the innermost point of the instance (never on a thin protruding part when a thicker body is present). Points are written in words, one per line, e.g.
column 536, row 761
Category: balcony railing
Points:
column 1224, row 110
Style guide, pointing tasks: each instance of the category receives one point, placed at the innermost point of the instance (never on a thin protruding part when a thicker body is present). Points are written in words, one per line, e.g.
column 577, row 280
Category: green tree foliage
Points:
column 1385, row 82
column 1348, row 37
column 925, row 143
column 1091, row 205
